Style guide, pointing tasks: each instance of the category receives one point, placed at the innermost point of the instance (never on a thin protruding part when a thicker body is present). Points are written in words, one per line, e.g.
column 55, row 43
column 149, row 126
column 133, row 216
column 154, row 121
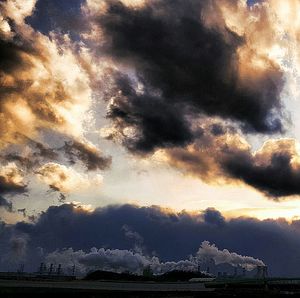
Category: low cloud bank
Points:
column 166, row 239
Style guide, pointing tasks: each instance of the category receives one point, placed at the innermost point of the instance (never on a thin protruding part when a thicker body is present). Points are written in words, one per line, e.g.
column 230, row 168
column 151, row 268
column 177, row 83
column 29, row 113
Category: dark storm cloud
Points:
column 38, row 97
column 11, row 56
column 88, row 154
column 222, row 155
column 72, row 152
column 214, row 217
column 277, row 177
column 156, row 123
column 192, row 69
column 8, row 184
column 39, row 153
column 173, row 236
column 25, row 162
column 45, row 152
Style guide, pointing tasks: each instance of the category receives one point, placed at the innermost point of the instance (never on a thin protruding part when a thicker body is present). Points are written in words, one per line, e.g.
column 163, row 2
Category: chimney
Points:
column 262, row 271
column 59, row 269
column 21, row 269
column 50, row 269
column 41, row 268
column 235, row 272
column 265, row 272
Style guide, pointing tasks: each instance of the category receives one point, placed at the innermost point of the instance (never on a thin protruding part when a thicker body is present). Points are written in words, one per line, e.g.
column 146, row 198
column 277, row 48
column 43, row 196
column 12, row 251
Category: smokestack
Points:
column 59, row 269
column 244, row 272
column 235, row 272
column 21, row 269
column 258, row 271
column 41, row 268
column 50, row 269
column 265, row 271
column 262, row 271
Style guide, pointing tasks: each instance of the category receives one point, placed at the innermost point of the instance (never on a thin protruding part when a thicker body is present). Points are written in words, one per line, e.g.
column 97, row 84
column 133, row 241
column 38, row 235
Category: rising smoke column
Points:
column 125, row 260
column 209, row 251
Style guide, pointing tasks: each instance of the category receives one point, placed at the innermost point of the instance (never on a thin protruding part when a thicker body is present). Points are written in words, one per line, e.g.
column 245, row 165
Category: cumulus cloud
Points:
column 38, row 93
column 214, row 217
column 64, row 179
column 87, row 153
column 183, row 74
column 184, row 65
column 274, row 169
column 145, row 122
column 18, row 10
column 45, row 94
column 165, row 69
column 228, row 158
column 12, row 180
column 170, row 236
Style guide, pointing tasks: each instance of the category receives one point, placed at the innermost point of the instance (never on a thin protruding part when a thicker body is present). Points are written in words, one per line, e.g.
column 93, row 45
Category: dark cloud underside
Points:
column 278, row 178
column 189, row 67
column 89, row 155
column 172, row 236
column 9, row 186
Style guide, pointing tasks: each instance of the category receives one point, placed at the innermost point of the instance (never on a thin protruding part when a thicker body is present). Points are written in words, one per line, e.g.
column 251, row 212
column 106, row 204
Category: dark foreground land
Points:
column 95, row 289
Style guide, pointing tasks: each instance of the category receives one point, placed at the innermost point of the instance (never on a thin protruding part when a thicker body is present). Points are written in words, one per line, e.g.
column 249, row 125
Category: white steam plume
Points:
column 126, row 260
column 209, row 251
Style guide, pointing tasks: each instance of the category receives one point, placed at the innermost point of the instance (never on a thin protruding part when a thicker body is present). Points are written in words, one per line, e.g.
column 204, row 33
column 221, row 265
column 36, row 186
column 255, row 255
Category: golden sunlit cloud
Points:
column 66, row 180
column 11, row 179
column 160, row 105
column 187, row 109
column 46, row 95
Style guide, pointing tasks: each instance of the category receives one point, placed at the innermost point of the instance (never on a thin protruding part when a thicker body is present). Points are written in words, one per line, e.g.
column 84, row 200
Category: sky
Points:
column 182, row 114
